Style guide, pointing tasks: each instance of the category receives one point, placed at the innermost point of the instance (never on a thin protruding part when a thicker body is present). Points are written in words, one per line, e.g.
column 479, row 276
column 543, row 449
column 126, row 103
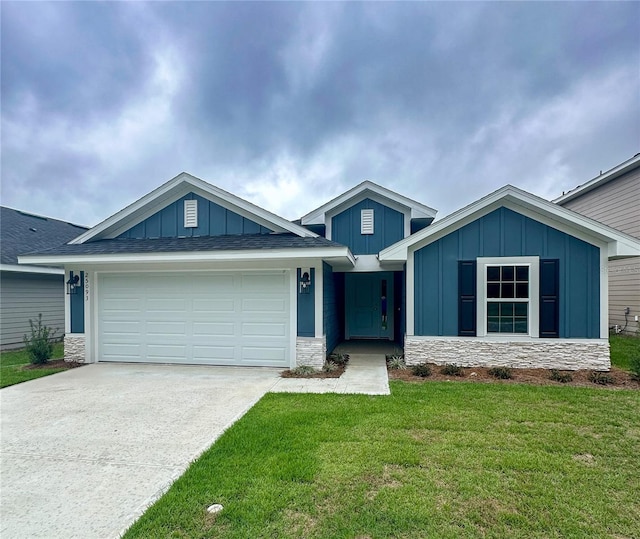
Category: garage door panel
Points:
column 264, row 329
column 262, row 305
column 213, row 329
column 214, row 318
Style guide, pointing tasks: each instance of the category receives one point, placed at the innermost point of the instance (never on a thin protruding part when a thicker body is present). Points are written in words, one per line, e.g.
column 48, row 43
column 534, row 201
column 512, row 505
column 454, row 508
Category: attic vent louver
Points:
column 190, row 213
column 366, row 221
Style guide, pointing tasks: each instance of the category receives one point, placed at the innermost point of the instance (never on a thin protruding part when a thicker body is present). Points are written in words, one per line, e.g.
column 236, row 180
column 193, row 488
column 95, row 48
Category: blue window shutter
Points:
column 549, row 298
column 467, row 298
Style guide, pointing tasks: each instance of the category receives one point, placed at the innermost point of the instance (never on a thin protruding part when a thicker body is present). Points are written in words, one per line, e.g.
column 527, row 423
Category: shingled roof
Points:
column 22, row 232
column 190, row 244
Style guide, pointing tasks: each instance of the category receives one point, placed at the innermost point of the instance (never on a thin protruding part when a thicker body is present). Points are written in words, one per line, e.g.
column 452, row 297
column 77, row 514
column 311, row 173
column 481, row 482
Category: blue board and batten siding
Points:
column 213, row 220
column 333, row 306
column 506, row 233
column 388, row 228
column 306, row 306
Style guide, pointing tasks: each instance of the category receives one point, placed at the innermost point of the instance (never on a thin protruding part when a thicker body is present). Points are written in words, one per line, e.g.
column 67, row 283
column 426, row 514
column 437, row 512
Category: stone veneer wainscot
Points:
column 74, row 348
column 310, row 351
column 562, row 354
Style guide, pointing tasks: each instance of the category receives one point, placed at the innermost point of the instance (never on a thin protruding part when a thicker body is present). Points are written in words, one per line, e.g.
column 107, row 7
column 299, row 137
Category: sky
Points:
column 290, row 104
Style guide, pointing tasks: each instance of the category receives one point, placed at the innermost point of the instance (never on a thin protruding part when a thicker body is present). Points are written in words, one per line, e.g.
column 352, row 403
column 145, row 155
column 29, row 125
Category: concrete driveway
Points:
column 84, row 452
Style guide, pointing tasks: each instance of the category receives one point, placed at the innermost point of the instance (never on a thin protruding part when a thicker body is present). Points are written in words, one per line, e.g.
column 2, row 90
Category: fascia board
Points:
column 362, row 191
column 173, row 190
column 31, row 269
column 522, row 202
column 199, row 256
column 612, row 174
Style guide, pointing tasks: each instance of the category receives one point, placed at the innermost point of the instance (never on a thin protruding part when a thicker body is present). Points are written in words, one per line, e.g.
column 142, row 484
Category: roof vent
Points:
column 190, row 213
column 366, row 221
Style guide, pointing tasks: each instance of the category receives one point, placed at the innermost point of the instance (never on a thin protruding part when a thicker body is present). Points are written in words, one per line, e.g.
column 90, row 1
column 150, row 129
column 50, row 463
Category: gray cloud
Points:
column 290, row 103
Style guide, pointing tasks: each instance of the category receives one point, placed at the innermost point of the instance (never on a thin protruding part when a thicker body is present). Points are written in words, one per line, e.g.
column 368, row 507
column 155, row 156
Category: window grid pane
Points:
column 504, row 285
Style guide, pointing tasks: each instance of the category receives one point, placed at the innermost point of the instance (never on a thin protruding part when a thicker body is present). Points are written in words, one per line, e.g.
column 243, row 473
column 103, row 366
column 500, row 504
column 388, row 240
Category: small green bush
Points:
column 634, row 367
column 304, row 370
column 422, row 369
column 396, row 362
column 562, row 377
column 601, row 378
column 338, row 359
column 503, row 373
column 39, row 346
column 451, row 369
column 329, row 366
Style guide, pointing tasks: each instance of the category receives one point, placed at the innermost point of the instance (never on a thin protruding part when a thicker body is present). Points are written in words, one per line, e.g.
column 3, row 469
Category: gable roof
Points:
column 601, row 179
column 173, row 190
column 619, row 245
column 22, row 232
column 364, row 190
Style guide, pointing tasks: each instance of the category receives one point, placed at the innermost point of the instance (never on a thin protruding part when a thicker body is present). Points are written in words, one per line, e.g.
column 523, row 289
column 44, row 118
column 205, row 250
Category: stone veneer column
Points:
column 570, row 354
column 310, row 351
column 74, row 348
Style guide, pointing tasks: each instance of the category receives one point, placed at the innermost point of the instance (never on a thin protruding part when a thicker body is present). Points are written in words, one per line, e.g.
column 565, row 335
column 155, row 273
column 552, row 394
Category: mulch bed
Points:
column 321, row 374
column 622, row 379
column 54, row 364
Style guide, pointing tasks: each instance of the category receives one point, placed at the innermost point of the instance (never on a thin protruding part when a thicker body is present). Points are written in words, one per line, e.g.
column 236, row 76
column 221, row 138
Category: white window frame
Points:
column 533, row 314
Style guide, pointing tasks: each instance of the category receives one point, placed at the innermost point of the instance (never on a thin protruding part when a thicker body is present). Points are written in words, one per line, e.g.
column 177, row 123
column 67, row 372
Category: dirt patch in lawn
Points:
column 620, row 379
column 54, row 364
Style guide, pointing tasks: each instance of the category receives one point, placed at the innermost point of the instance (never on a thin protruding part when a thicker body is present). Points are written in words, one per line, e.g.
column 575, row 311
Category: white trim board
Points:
column 572, row 223
column 173, row 190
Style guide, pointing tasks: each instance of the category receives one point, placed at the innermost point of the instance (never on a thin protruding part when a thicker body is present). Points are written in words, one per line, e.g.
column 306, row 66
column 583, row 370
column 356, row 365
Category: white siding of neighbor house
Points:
column 23, row 297
column 617, row 204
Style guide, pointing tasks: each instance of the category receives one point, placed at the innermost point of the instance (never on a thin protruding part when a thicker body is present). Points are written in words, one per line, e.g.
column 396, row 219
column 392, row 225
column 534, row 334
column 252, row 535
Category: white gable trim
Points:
column 368, row 189
column 173, row 190
column 618, row 244
column 601, row 179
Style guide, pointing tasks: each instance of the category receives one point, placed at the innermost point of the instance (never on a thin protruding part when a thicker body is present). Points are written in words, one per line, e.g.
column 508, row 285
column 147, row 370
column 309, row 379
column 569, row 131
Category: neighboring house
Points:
column 613, row 198
column 26, row 291
column 193, row 274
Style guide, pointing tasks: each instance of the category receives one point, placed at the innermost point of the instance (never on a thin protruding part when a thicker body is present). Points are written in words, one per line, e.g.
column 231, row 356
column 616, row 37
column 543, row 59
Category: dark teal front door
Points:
column 369, row 305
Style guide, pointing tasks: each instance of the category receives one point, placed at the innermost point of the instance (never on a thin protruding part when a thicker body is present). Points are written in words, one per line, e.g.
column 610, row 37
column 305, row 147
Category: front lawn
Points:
column 623, row 348
column 432, row 460
column 13, row 363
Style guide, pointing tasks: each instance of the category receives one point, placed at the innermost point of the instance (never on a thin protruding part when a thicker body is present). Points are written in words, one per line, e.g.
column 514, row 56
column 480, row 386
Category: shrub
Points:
column 396, row 362
column 503, row 373
column 422, row 369
column 601, row 378
column 304, row 370
column 562, row 377
column 329, row 366
column 451, row 369
column 634, row 367
column 338, row 359
column 39, row 345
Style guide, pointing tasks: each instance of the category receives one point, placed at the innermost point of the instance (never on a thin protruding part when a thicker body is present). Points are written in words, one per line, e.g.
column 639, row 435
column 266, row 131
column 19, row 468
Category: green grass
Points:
column 437, row 460
column 13, row 361
column 623, row 348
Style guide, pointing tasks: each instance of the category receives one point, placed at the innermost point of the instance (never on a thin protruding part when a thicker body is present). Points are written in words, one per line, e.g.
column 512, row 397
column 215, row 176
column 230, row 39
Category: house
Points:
column 26, row 290
column 193, row 274
column 613, row 198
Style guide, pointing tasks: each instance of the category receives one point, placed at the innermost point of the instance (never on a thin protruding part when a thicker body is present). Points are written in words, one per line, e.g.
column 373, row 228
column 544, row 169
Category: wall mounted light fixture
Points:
column 73, row 284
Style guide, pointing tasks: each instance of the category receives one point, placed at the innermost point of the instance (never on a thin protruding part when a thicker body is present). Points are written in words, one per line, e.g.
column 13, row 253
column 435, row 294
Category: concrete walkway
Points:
column 366, row 373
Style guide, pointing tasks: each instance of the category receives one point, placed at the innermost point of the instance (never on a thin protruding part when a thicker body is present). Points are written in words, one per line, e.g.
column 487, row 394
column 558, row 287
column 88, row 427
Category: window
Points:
column 507, row 299
column 366, row 221
column 190, row 213
column 507, row 302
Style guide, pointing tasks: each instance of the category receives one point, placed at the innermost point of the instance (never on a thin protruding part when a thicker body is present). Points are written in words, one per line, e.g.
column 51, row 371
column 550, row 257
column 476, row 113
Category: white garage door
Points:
column 239, row 318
